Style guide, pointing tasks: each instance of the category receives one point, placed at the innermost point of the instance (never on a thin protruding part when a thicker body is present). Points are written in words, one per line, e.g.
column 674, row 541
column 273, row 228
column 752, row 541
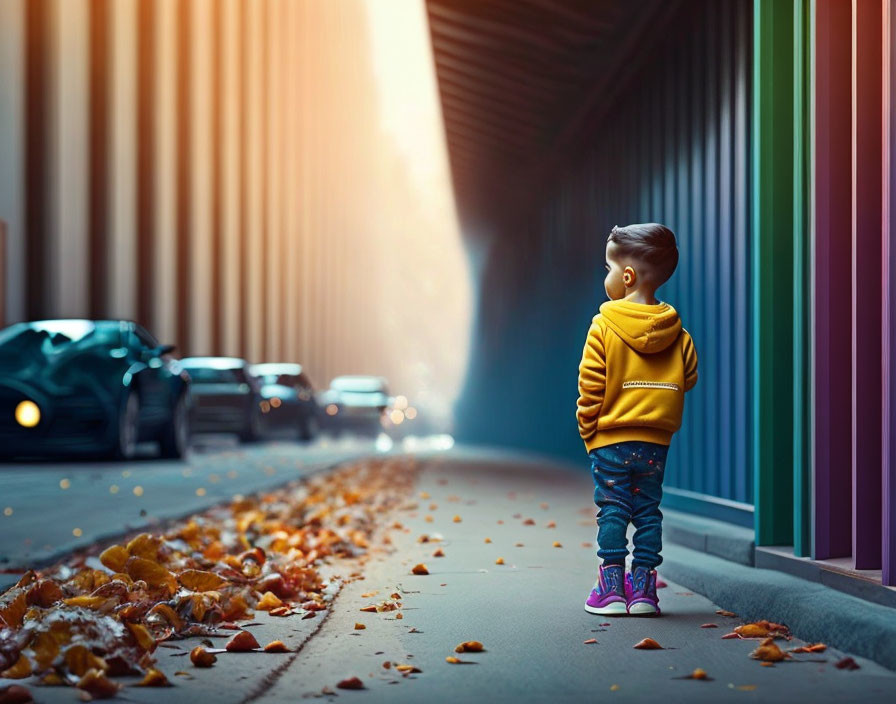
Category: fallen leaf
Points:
column 499, row 561
column 847, row 663
column 439, row 553
column 456, row 519
column 350, row 683
column 201, row 581
column 529, row 522
column 200, row 657
column 699, row 674
column 556, row 544
column 360, row 626
column 369, row 608
column 276, row 646
column 768, row 651
column 590, row 641
column 709, row 625
column 95, row 683
column 241, row 642
column 488, row 540
column 722, row 612
column 812, row 648
column 614, row 687
column 648, row 644
column 367, row 595
column 551, row 524
column 115, row 557
column 154, row 678
column 420, row 569
column 407, row 669
column 20, row 670
column 15, row 694
column 469, row 646
column 387, row 664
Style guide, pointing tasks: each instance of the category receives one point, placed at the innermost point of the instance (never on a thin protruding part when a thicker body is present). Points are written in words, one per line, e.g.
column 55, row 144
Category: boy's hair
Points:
column 650, row 243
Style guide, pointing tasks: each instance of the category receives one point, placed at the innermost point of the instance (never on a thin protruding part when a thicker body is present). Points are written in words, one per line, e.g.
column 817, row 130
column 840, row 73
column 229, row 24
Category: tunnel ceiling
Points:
column 518, row 78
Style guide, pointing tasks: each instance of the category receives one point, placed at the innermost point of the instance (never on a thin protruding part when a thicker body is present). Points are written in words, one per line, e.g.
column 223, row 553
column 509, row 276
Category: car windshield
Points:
column 53, row 336
column 359, row 384
column 281, row 379
column 213, row 375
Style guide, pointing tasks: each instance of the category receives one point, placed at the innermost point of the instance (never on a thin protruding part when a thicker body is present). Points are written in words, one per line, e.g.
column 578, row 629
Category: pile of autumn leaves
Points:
column 91, row 620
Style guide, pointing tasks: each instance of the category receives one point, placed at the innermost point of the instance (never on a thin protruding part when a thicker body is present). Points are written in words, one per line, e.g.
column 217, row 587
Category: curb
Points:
column 813, row 611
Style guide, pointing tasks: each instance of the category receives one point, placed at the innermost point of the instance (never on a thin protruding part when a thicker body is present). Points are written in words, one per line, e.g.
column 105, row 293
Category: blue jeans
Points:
column 628, row 487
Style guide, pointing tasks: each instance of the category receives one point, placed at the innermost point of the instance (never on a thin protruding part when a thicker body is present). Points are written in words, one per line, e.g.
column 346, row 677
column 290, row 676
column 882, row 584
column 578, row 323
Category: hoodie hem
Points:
column 610, row 436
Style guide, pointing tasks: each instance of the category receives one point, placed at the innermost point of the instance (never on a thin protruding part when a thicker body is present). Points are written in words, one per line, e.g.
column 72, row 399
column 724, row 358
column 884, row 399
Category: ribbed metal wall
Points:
column 671, row 146
column 217, row 170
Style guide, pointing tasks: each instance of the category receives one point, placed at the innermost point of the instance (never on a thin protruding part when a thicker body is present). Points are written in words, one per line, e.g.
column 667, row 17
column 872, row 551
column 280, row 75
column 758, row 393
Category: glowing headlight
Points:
column 27, row 414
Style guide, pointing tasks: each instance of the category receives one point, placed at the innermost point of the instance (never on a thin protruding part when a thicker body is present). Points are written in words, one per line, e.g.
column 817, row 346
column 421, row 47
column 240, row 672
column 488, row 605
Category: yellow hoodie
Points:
column 637, row 365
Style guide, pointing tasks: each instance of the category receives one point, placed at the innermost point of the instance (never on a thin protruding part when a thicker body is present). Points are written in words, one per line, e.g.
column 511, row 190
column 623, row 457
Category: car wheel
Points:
column 175, row 437
column 309, row 428
column 252, row 430
column 128, row 428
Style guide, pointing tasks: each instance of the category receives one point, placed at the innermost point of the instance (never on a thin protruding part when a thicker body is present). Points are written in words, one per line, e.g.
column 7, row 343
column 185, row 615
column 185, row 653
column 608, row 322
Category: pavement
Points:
column 527, row 612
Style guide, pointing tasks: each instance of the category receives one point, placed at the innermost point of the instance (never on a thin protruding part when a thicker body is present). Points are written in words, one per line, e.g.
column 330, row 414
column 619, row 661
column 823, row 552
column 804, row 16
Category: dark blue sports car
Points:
column 89, row 386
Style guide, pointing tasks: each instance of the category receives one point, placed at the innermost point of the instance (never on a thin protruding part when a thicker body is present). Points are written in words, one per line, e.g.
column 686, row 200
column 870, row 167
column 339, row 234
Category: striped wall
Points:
column 673, row 146
column 826, row 204
column 217, row 170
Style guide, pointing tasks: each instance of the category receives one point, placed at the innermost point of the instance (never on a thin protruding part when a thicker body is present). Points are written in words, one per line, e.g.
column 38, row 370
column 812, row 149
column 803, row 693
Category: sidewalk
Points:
column 527, row 612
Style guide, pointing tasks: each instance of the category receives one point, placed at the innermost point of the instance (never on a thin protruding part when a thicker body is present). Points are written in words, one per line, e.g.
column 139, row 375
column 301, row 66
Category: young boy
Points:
column 637, row 365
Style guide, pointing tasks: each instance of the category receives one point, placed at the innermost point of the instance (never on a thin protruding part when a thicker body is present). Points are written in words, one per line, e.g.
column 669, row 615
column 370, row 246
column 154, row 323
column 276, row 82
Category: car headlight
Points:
column 27, row 414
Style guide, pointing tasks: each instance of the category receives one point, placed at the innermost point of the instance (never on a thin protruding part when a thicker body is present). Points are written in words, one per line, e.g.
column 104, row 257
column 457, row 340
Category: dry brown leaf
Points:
column 709, row 625
column 201, row 581
column 556, row 544
column 200, row 657
column 439, row 553
column 20, row 670
column 456, row 519
column 499, row 561
column 78, row 660
column 276, row 646
column 488, row 540
column 810, row 648
column 847, row 663
column 699, row 674
column 407, row 669
column 729, row 614
column 350, row 683
column 241, row 642
column 154, row 678
column 768, row 651
column 268, row 601
column 15, row 694
column 359, row 626
column 115, row 557
column 469, row 646
column 647, row 644
column 529, row 522
column 155, row 576
column 420, row 569
column 369, row 608
column 590, row 641
column 95, row 683
column 145, row 546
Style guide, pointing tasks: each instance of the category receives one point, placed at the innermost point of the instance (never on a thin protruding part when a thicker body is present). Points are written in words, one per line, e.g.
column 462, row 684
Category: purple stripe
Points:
column 832, row 517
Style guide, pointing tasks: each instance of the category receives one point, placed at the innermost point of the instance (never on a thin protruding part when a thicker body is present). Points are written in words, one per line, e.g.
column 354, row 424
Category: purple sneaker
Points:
column 608, row 596
column 640, row 589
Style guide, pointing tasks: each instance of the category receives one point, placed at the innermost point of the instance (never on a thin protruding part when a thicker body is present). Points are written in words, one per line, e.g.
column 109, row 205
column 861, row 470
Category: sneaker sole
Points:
column 617, row 608
column 642, row 609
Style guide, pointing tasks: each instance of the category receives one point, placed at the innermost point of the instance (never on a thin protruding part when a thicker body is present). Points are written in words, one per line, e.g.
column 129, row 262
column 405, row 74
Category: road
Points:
column 527, row 612
column 50, row 508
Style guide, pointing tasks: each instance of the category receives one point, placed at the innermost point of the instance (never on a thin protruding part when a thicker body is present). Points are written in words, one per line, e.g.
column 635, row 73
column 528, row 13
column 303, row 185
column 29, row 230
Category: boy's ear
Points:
column 629, row 276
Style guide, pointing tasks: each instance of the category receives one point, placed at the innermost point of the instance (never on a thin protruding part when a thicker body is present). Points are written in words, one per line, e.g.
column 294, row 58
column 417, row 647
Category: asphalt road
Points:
column 48, row 509
column 527, row 612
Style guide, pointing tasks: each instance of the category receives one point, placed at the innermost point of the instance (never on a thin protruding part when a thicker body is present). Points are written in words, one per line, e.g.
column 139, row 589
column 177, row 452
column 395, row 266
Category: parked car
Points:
column 226, row 396
column 354, row 403
column 287, row 398
column 89, row 386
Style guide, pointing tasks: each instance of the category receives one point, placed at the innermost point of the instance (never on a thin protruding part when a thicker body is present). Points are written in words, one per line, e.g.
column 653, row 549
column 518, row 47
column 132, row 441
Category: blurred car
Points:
column 354, row 403
column 226, row 396
column 287, row 398
column 89, row 386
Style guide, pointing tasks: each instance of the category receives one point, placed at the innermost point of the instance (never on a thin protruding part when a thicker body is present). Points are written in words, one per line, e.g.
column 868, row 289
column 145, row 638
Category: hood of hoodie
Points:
column 645, row 328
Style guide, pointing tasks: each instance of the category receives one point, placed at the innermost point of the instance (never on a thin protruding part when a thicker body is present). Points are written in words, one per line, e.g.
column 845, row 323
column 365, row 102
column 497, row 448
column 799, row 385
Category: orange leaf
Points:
column 499, row 561
column 268, row 601
column 768, row 651
column 150, row 572
column 241, row 642
column 201, row 581
column 420, row 569
column 590, row 641
column 469, row 646
column 200, row 657
column 350, row 683
column 154, row 678
column 276, row 646
column 115, row 557
column 19, row 671
column 145, row 546
column 648, row 644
